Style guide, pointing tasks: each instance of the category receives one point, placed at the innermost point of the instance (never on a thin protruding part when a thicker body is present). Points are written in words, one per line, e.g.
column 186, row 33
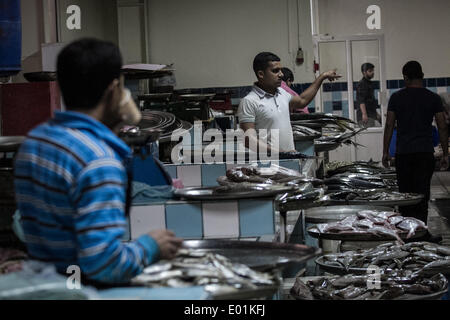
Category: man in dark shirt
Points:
column 413, row 108
column 365, row 98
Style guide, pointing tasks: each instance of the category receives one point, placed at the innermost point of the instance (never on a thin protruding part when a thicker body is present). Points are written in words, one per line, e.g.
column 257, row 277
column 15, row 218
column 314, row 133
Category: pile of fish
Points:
column 304, row 193
column 422, row 258
column 350, row 181
column 320, row 120
column 358, row 167
column 197, row 268
column 274, row 178
column 379, row 223
column 265, row 175
column 393, row 286
column 338, row 137
column 301, row 132
column 372, row 195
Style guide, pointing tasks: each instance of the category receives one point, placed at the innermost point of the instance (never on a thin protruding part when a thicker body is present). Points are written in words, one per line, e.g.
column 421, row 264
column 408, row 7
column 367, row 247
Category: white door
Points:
column 347, row 54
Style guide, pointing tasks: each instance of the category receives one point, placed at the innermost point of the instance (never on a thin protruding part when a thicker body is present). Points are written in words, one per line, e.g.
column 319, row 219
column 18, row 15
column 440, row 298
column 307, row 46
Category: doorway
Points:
column 347, row 54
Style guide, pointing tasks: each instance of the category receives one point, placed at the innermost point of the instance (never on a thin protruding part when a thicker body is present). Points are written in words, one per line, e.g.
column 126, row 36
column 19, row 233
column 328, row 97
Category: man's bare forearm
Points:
column 309, row 94
column 388, row 131
column 362, row 106
column 252, row 142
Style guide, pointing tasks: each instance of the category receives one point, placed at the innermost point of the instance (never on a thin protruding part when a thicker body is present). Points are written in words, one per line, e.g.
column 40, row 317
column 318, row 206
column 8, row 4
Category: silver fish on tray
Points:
column 413, row 257
column 193, row 267
column 395, row 286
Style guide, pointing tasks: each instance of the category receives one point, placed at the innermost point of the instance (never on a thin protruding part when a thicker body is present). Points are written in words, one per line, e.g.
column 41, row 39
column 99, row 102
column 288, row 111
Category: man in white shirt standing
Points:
column 268, row 106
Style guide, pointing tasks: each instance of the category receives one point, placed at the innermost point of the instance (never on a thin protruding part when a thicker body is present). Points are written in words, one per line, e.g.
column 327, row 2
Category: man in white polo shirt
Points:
column 268, row 105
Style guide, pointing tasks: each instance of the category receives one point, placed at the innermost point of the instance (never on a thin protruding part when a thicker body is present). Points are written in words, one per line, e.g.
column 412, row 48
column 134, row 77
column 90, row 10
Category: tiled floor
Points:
column 439, row 209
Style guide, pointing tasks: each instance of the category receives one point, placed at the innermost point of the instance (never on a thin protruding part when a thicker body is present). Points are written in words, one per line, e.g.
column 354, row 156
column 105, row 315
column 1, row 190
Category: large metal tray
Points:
column 327, row 146
column 10, row 143
column 208, row 193
column 196, row 97
column 307, row 138
column 155, row 96
column 257, row 255
column 360, row 236
column 297, row 205
column 40, row 76
column 388, row 203
column 388, row 176
column 339, row 270
column 337, row 213
column 244, row 294
column 432, row 296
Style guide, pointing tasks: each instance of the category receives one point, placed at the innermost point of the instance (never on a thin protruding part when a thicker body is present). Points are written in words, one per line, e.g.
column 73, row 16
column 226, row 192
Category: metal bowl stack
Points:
column 164, row 122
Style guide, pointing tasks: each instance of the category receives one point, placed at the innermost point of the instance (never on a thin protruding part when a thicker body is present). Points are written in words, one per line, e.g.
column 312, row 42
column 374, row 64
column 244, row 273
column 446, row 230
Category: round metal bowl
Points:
column 431, row 296
column 155, row 96
column 389, row 203
column 339, row 270
column 307, row 138
column 40, row 76
column 314, row 232
column 327, row 146
column 10, row 143
column 257, row 255
column 197, row 97
column 337, row 213
column 210, row 193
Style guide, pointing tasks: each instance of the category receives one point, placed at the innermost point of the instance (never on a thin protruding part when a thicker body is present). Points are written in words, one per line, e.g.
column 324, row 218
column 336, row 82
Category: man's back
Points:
column 414, row 110
column 70, row 189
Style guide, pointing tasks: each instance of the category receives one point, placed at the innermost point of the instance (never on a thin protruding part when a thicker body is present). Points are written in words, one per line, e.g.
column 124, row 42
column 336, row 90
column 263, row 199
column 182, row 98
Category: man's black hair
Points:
column 287, row 75
column 366, row 67
column 85, row 68
column 262, row 59
column 413, row 70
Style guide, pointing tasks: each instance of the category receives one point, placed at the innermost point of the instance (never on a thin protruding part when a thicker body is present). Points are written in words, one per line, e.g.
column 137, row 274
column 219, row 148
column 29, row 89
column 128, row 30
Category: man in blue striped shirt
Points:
column 70, row 176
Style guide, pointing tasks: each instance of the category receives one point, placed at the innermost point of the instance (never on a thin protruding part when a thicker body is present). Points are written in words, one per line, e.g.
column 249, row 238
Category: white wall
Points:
column 32, row 36
column 413, row 29
column 98, row 19
column 213, row 42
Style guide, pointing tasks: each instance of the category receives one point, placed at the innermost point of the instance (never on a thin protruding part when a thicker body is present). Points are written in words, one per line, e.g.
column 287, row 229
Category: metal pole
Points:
column 351, row 107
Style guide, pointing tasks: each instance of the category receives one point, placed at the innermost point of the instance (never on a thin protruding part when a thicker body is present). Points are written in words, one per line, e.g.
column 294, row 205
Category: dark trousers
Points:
column 414, row 172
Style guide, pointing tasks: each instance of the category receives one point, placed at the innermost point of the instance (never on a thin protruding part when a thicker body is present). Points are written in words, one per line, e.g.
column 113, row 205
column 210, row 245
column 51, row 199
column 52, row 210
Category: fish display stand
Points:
column 328, row 214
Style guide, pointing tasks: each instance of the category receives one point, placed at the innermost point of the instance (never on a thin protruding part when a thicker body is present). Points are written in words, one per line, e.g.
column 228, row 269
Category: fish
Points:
column 389, row 294
column 395, row 254
column 157, row 268
column 347, row 280
column 410, row 257
column 157, row 277
column 195, row 267
column 393, row 286
column 301, row 291
column 395, row 220
column 427, row 256
column 236, row 175
column 443, row 250
column 364, row 223
column 438, row 266
column 411, row 225
column 350, row 292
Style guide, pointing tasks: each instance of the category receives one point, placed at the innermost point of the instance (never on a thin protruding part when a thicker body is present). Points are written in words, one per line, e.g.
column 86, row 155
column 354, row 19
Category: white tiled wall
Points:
column 221, row 220
column 144, row 219
column 190, row 175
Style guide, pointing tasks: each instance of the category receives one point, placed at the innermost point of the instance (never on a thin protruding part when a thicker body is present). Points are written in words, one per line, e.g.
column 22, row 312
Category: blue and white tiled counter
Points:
column 236, row 219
